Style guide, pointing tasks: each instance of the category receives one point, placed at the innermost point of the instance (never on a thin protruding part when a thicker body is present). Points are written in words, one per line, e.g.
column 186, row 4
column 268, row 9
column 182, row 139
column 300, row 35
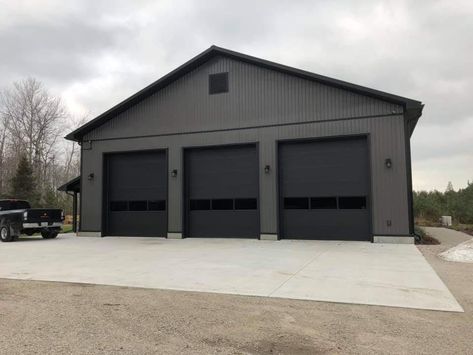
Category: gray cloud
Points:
column 95, row 54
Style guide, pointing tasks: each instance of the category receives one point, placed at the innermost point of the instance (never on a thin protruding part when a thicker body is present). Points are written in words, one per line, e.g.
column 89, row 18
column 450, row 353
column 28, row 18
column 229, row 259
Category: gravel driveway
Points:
column 58, row 318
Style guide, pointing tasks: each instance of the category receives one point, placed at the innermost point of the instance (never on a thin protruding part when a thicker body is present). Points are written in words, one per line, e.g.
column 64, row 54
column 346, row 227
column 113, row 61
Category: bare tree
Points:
column 72, row 152
column 35, row 122
column 3, row 146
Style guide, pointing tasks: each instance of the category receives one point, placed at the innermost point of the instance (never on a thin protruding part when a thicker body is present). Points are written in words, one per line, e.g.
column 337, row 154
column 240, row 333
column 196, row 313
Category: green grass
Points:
column 67, row 228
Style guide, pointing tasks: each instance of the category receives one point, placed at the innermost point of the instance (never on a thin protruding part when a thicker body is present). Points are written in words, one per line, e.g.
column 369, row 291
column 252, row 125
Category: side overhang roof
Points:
column 71, row 186
column 413, row 108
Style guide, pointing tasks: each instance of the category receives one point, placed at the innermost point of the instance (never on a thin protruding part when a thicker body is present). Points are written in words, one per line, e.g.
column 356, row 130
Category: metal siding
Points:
column 256, row 97
column 389, row 186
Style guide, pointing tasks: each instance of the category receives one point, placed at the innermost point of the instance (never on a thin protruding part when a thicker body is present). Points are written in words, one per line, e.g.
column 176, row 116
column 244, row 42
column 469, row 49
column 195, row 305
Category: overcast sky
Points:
column 97, row 53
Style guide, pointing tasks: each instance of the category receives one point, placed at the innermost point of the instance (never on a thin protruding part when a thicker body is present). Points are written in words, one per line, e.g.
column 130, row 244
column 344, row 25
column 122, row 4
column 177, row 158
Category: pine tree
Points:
column 23, row 184
column 449, row 187
column 50, row 198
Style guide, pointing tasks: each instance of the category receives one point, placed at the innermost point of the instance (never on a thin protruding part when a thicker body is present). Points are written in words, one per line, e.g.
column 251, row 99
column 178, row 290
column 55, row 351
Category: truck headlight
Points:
column 25, row 215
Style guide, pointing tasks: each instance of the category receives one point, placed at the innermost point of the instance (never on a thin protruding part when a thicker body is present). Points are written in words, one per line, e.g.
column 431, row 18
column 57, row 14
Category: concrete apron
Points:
column 394, row 275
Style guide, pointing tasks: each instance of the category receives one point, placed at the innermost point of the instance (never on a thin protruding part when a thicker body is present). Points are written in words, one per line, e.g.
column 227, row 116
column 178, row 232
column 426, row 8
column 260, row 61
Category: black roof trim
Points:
column 216, row 51
column 73, row 185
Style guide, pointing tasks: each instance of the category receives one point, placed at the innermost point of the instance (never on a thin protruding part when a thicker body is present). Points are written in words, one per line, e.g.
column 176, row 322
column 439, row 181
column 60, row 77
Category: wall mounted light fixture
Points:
column 267, row 169
column 90, row 177
column 388, row 163
column 174, row 172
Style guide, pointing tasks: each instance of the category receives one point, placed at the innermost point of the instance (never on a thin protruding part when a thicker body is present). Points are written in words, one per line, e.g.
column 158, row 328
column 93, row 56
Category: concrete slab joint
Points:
column 401, row 239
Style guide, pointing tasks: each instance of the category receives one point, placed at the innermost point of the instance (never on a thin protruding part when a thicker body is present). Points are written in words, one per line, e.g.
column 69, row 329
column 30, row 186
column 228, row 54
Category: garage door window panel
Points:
column 138, row 205
column 118, row 206
column 246, row 204
column 222, row 204
column 159, row 205
column 296, row 203
column 323, row 203
column 352, row 203
column 199, row 205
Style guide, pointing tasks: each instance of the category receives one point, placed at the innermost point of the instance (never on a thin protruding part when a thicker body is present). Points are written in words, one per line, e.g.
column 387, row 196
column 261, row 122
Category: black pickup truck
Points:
column 17, row 217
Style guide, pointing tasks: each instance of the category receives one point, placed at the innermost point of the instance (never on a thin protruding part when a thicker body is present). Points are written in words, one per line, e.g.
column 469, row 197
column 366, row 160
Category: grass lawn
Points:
column 67, row 228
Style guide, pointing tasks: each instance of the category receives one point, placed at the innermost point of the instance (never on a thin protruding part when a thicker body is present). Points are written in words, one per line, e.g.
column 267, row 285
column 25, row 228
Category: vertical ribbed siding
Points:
column 388, row 186
column 256, row 97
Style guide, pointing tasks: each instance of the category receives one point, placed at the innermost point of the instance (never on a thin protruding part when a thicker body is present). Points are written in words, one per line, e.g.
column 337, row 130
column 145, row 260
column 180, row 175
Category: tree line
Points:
column 34, row 160
column 430, row 206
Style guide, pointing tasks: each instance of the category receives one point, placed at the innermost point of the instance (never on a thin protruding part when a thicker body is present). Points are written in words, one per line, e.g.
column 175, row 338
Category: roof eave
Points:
column 412, row 115
column 67, row 186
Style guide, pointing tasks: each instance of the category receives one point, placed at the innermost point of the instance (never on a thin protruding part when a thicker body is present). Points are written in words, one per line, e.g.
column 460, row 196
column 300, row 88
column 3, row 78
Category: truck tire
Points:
column 5, row 235
column 49, row 234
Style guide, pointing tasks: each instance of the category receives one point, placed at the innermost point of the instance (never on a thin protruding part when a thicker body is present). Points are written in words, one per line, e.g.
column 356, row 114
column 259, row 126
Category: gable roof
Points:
column 412, row 107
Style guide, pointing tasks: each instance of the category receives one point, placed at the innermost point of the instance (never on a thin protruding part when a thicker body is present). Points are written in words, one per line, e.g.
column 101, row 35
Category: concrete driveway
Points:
column 348, row 272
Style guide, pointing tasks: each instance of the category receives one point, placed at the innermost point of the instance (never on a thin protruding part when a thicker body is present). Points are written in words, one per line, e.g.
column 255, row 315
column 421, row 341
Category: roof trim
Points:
column 72, row 185
column 213, row 51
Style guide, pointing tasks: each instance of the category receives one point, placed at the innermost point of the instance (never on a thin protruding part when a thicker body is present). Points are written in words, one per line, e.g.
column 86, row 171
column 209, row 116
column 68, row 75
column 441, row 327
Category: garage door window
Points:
column 323, row 203
column 137, row 206
column 352, row 203
column 199, row 205
column 333, row 203
column 246, row 204
column 117, row 206
column 296, row 203
column 159, row 205
column 222, row 204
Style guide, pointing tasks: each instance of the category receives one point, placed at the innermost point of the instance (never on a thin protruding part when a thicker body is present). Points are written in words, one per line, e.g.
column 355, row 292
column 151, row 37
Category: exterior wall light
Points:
column 388, row 163
column 267, row 169
column 174, row 173
column 90, row 177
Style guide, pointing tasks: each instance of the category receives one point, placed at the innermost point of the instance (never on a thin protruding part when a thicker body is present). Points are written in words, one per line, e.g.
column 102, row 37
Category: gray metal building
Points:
column 229, row 145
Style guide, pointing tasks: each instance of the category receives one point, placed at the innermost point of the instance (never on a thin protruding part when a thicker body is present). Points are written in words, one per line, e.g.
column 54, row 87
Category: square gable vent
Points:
column 218, row 83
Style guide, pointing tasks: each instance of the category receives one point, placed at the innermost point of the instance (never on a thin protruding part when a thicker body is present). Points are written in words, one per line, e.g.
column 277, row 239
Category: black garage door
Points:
column 136, row 194
column 324, row 189
column 222, row 192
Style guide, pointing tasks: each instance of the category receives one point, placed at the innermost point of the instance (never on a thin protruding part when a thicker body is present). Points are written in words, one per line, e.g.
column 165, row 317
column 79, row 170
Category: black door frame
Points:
column 185, row 181
column 105, row 183
column 279, row 142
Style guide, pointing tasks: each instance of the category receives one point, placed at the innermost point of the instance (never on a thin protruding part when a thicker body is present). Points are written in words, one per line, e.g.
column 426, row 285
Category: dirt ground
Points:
column 59, row 318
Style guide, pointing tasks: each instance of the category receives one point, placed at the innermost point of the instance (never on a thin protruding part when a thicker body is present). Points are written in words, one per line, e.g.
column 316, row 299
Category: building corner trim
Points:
column 174, row 235
column 89, row 234
column 268, row 237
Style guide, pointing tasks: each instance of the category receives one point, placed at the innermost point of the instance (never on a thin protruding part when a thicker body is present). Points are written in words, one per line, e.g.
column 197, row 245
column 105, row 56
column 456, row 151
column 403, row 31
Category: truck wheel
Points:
column 49, row 234
column 5, row 235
